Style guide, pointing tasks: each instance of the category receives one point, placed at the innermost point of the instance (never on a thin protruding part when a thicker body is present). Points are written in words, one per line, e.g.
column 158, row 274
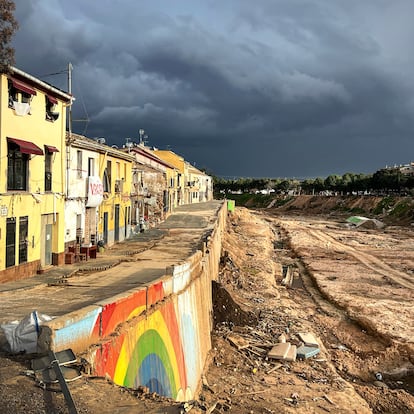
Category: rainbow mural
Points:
column 148, row 354
column 149, row 351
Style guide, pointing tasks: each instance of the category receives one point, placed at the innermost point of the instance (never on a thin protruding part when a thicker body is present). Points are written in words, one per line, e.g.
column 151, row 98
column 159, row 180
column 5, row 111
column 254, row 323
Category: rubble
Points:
column 286, row 317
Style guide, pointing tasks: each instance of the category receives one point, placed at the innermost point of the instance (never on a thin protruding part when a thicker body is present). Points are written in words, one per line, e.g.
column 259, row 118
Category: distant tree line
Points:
column 383, row 182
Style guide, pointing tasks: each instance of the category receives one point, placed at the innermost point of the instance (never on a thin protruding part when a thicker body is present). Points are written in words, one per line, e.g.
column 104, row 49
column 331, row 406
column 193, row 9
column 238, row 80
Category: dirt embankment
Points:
column 390, row 209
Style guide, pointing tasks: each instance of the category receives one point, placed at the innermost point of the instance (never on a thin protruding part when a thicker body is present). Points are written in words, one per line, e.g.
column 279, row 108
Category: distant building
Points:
column 200, row 185
column 179, row 183
column 407, row 169
column 152, row 197
column 193, row 185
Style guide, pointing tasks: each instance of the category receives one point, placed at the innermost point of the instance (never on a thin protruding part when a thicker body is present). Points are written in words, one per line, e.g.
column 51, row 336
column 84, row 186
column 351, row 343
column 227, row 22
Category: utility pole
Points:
column 70, row 67
column 69, row 141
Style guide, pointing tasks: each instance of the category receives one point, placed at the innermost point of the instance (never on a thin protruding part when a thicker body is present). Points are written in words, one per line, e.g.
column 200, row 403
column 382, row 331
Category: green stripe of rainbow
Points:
column 157, row 336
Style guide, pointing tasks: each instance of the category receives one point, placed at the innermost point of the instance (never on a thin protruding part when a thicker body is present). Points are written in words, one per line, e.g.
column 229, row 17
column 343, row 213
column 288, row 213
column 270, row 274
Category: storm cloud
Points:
column 298, row 88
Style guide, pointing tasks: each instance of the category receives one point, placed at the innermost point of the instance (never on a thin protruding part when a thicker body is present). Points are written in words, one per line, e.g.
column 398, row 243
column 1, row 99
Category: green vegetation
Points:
column 402, row 209
column 387, row 181
column 384, row 205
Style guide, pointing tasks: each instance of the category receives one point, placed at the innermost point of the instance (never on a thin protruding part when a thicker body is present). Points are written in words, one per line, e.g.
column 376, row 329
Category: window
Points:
column 10, row 242
column 91, row 167
column 118, row 170
column 20, row 96
column 49, row 151
column 23, row 238
column 17, row 167
column 48, row 171
column 51, row 114
column 13, row 95
column 79, row 163
column 26, row 98
column 107, row 177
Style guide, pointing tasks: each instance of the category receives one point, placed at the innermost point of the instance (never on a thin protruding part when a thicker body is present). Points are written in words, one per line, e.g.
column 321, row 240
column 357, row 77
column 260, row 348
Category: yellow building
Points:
column 178, row 182
column 115, row 171
column 173, row 175
column 32, row 165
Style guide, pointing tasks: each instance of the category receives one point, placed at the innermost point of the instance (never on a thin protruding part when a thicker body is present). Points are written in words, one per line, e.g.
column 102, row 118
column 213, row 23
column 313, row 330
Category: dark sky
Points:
column 271, row 88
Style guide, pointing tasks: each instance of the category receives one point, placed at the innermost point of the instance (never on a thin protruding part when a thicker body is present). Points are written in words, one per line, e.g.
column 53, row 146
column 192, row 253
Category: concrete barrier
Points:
column 156, row 336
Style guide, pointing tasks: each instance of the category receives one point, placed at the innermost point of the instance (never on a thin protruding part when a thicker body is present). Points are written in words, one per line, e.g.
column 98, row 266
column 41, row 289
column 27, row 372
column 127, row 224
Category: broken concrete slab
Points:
column 308, row 339
column 279, row 351
column 291, row 355
column 305, row 352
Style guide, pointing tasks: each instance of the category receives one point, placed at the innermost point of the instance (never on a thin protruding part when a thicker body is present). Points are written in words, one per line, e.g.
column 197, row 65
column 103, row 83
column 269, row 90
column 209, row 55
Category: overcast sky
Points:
column 271, row 88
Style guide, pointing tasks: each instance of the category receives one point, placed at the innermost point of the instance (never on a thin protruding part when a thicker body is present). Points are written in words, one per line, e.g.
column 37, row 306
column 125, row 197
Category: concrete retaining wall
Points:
column 156, row 336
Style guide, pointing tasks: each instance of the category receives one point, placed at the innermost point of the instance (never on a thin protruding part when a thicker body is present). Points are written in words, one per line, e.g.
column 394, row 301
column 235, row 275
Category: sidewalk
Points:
column 111, row 257
column 124, row 266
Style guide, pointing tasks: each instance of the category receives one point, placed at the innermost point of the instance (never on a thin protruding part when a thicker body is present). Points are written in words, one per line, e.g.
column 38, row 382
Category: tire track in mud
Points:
column 369, row 261
column 364, row 345
column 322, row 301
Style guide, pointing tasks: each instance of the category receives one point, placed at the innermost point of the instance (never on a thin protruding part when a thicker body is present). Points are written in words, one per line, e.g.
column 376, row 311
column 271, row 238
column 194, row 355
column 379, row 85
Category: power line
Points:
column 52, row 74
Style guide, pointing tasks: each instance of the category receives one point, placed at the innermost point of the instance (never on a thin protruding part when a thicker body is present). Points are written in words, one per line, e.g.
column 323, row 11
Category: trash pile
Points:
column 259, row 348
column 286, row 351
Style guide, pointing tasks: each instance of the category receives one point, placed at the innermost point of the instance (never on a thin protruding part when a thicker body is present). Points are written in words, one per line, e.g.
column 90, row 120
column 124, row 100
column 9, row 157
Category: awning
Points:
column 24, row 87
column 52, row 100
column 51, row 148
column 26, row 147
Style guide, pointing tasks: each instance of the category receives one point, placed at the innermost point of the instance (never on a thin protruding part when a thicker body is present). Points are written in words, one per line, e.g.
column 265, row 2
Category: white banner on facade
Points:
column 95, row 192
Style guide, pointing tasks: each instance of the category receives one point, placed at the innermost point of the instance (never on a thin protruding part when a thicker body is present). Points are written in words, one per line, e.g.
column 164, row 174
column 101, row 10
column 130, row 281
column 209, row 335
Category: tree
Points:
column 319, row 184
column 332, row 182
column 8, row 26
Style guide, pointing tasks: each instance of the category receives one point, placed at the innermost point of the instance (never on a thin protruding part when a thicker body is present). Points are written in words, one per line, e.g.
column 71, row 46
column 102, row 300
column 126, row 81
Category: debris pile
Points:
column 267, row 351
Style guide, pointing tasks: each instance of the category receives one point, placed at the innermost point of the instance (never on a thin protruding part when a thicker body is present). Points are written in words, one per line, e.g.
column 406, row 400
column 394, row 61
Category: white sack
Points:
column 22, row 336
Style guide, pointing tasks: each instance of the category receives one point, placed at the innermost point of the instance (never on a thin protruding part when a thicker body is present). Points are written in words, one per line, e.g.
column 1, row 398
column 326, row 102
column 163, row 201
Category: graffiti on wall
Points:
column 150, row 351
